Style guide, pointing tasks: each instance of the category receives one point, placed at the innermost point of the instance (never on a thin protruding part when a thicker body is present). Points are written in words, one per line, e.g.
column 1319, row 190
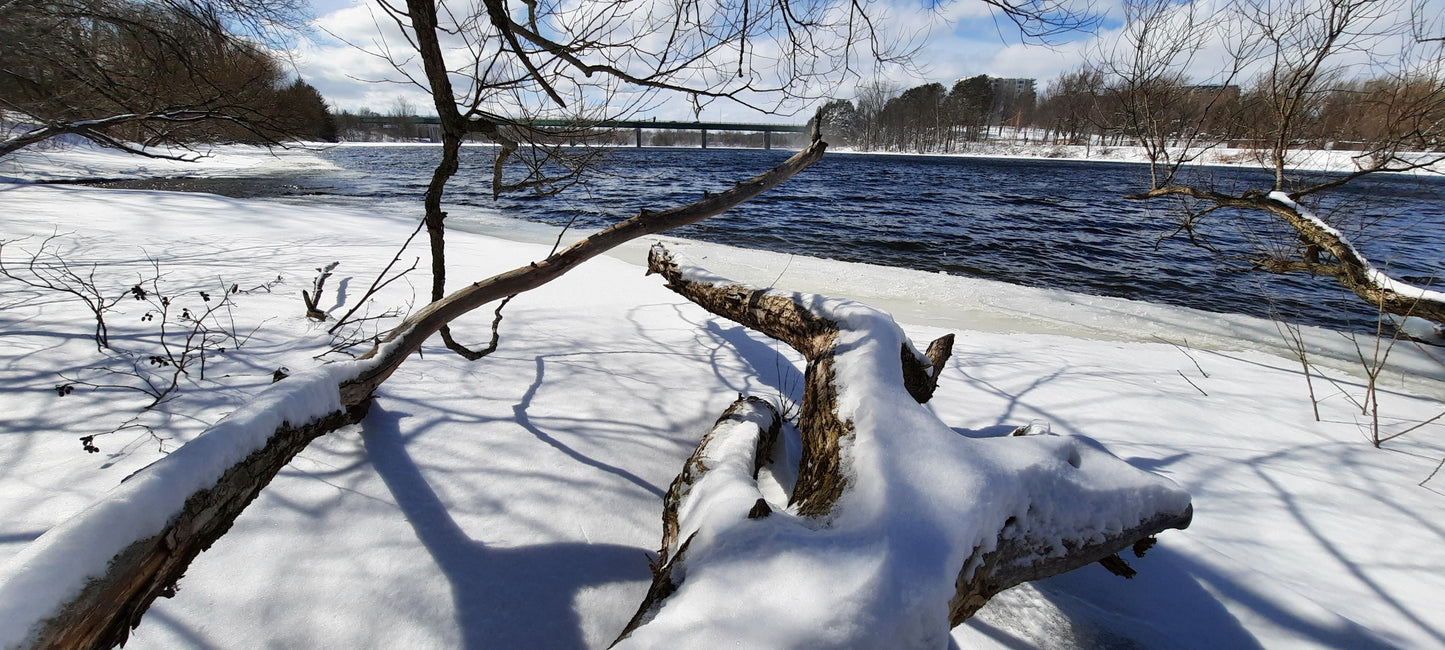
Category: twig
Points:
column 1295, row 342
column 381, row 280
column 1201, row 390
column 56, row 274
column 1417, row 426
column 1432, row 473
column 1186, row 353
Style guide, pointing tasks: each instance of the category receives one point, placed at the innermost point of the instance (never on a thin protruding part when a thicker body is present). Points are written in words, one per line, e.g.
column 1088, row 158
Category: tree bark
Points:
column 105, row 612
column 787, row 319
column 408, row 337
column 751, row 425
column 710, row 508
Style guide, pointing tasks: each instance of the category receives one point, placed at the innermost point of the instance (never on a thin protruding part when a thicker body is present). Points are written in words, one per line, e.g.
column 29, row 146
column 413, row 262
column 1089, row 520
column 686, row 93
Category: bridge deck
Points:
column 618, row 124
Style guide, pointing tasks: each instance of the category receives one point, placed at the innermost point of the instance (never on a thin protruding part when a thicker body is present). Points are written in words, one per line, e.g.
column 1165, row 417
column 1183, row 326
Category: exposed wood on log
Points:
column 103, row 615
column 820, row 477
column 1117, row 566
column 920, row 376
column 1026, row 546
column 313, row 309
column 768, row 423
column 785, row 318
column 1018, row 560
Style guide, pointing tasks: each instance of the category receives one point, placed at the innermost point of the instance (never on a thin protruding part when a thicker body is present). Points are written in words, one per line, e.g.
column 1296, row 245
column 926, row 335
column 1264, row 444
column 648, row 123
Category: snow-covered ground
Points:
column 1314, row 160
column 511, row 502
column 70, row 162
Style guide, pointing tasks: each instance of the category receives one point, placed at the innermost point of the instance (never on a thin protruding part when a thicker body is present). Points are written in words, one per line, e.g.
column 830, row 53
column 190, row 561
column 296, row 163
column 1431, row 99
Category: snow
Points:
column 511, row 502
column 85, row 161
column 51, row 570
column 1312, row 160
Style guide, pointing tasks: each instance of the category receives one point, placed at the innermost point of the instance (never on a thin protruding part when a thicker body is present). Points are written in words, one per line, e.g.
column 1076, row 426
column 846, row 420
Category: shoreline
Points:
column 915, row 297
column 1330, row 161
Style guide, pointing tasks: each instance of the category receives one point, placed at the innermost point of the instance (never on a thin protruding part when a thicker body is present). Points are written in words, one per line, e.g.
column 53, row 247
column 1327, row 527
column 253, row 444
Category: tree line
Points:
column 1094, row 106
column 124, row 73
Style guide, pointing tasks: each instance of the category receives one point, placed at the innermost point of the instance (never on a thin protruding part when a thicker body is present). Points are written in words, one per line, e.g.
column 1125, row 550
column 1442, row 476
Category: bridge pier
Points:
column 639, row 137
column 704, row 138
column 767, row 140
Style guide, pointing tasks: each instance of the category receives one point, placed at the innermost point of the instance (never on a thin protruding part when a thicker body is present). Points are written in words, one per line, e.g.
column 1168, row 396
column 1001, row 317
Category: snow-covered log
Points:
column 86, row 582
column 897, row 527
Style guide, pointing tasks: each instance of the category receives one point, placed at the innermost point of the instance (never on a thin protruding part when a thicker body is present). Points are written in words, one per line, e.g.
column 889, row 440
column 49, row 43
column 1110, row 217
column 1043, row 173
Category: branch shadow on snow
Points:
column 504, row 597
column 524, row 419
column 769, row 364
column 1179, row 597
column 1172, row 603
column 1167, row 605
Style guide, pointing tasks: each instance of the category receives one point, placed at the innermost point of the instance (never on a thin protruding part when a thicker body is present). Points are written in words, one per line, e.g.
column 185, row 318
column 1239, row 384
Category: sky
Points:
column 956, row 40
column 342, row 52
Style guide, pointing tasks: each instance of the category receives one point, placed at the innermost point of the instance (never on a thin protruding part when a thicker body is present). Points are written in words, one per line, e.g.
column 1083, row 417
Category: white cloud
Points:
column 333, row 60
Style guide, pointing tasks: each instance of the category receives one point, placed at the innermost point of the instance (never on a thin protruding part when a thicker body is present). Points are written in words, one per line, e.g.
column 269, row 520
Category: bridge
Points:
column 636, row 125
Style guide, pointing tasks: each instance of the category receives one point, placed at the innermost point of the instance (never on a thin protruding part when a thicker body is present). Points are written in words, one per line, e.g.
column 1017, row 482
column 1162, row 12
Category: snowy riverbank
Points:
column 68, row 162
column 509, row 502
column 74, row 162
column 1312, row 160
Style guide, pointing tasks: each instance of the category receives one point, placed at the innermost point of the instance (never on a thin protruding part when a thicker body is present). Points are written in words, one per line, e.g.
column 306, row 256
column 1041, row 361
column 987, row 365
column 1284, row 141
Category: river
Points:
column 1044, row 223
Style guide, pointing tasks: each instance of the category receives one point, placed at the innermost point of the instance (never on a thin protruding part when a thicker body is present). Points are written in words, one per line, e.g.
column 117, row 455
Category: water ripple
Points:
column 1038, row 223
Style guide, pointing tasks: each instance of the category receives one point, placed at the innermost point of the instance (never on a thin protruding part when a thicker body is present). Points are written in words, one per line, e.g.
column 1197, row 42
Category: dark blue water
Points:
column 1043, row 223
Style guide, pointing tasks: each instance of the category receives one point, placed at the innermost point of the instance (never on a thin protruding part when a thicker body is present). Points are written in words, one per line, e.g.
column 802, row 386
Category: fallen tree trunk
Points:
column 111, row 606
column 53, row 595
column 897, row 528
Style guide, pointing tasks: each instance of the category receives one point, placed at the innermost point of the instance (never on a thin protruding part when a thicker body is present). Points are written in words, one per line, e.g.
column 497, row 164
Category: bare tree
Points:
column 589, row 61
column 1070, row 107
column 127, row 74
column 1301, row 53
column 872, row 98
column 1147, row 94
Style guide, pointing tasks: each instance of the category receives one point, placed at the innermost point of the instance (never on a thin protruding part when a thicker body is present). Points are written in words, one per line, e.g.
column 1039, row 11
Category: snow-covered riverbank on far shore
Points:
column 1310, row 160
column 510, row 502
column 73, row 162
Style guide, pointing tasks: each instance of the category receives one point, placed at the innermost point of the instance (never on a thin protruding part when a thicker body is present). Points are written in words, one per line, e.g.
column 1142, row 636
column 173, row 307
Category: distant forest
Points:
column 1087, row 107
